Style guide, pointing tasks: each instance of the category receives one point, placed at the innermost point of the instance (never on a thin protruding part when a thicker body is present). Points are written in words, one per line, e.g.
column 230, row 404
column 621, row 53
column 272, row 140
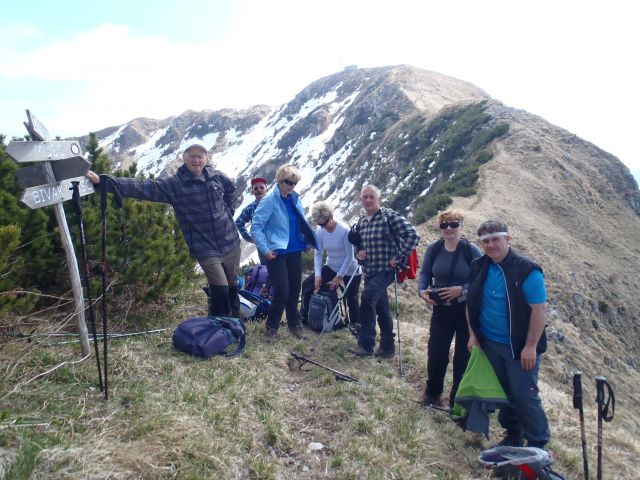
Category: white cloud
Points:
column 574, row 63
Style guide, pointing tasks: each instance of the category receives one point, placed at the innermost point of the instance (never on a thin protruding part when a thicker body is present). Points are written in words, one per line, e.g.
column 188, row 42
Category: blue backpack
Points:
column 208, row 336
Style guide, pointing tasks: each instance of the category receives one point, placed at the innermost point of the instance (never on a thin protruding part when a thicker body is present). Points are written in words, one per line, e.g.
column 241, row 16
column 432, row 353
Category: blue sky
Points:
column 81, row 66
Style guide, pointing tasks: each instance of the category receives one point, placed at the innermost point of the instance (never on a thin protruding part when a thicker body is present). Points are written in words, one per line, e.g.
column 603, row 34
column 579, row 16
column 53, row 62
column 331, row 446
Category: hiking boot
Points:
column 298, row 332
column 380, row 353
column 360, row 352
column 430, row 400
column 270, row 333
column 511, row 439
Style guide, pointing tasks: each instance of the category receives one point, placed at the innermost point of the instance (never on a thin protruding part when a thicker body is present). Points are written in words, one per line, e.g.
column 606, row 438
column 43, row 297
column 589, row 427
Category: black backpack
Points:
column 324, row 313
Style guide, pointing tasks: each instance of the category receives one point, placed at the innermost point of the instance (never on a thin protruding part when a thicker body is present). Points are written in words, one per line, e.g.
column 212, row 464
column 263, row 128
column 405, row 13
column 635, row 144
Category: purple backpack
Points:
column 208, row 336
column 258, row 283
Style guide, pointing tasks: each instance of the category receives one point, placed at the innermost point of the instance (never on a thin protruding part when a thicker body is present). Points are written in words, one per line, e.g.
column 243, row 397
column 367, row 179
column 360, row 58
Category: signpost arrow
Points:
column 43, row 195
column 33, row 175
column 23, row 152
column 70, row 168
column 35, row 128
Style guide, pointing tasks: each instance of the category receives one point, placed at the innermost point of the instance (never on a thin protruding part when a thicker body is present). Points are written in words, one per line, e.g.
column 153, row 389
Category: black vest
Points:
column 516, row 268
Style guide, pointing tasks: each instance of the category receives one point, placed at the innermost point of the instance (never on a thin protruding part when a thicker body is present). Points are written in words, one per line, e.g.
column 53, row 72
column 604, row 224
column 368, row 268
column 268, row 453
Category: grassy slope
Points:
column 172, row 416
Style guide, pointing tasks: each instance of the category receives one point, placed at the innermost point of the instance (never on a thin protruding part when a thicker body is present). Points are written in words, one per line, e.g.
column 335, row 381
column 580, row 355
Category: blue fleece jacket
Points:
column 270, row 223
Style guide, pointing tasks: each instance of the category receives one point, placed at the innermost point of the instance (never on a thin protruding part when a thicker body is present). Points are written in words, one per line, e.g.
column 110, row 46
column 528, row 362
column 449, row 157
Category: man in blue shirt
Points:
column 259, row 190
column 506, row 309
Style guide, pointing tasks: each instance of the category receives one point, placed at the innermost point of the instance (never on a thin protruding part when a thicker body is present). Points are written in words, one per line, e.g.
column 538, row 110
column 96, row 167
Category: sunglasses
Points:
column 454, row 224
column 257, row 188
column 291, row 183
column 322, row 225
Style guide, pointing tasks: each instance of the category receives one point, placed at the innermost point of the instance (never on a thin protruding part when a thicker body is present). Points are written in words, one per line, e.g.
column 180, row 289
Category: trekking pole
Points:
column 577, row 404
column 77, row 206
column 332, row 316
column 603, row 413
column 103, row 211
column 395, row 288
column 339, row 375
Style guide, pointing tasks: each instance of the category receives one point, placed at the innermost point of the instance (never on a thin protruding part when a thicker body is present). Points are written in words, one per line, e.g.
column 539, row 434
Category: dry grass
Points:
column 173, row 416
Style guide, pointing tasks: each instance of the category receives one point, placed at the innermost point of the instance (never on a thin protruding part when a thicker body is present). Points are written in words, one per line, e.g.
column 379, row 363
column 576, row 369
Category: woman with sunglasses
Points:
column 340, row 265
column 442, row 283
column 282, row 233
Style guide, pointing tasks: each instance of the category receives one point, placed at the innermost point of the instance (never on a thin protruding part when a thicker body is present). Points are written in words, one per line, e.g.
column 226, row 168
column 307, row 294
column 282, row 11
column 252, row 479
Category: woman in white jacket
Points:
column 340, row 264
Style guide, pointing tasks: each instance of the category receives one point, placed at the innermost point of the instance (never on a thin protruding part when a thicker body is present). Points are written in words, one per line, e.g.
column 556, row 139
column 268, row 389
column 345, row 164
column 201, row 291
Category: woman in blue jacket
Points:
column 282, row 233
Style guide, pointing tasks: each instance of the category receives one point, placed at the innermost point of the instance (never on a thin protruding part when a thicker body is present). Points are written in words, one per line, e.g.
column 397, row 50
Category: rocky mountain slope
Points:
column 424, row 138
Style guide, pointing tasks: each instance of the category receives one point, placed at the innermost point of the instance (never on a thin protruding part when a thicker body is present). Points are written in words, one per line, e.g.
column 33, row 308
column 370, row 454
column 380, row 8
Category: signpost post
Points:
column 55, row 190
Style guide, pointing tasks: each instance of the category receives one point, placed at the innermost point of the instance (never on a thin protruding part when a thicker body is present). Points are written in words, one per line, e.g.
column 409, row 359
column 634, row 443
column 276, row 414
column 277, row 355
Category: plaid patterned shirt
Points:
column 204, row 207
column 245, row 217
column 385, row 236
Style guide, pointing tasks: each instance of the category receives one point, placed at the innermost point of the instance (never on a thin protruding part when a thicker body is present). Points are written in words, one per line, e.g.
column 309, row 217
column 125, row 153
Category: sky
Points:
column 82, row 66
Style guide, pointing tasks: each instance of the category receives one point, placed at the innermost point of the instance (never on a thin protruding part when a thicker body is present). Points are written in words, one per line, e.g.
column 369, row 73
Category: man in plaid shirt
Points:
column 203, row 200
column 385, row 240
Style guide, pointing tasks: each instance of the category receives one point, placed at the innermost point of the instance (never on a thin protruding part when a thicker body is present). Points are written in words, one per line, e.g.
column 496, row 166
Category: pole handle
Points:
column 605, row 401
column 577, row 390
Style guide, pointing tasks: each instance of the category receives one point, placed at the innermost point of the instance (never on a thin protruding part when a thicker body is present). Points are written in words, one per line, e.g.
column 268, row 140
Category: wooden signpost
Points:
column 48, row 182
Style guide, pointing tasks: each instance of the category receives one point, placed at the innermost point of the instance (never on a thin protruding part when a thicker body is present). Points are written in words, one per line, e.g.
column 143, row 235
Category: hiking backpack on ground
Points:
column 520, row 463
column 257, row 281
column 254, row 307
column 324, row 312
column 208, row 336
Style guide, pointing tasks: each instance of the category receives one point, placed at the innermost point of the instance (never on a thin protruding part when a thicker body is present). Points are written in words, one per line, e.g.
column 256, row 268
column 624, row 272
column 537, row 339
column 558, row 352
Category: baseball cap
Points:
column 198, row 145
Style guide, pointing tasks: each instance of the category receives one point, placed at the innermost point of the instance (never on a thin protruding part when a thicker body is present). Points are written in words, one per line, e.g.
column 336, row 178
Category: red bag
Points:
column 411, row 272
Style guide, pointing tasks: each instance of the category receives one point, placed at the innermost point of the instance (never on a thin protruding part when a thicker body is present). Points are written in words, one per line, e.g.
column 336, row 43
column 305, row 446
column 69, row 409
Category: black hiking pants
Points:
column 285, row 273
column 446, row 322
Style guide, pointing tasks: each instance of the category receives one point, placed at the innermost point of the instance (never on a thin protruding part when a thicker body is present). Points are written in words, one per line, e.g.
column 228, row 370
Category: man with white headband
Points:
column 505, row 309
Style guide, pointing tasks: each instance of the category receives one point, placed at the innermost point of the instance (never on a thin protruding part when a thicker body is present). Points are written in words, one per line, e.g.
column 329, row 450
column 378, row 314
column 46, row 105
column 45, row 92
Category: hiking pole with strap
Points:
column 77, row 206
column 603, row 413
column 104, row 187
column 577, row 404
column 399, row 267
column 343, row 377
column 103, row 211
column 332, row 316
column 395, row 288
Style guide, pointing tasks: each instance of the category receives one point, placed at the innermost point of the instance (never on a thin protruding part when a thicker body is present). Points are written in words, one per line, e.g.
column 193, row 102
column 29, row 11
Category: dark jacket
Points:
column 204, row 207
column 515, row 268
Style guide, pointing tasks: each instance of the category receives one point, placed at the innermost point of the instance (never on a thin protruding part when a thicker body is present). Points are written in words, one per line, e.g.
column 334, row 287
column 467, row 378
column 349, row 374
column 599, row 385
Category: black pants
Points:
column 351, row 294
column 446, row 322
column 285, row 273
column 374, row 301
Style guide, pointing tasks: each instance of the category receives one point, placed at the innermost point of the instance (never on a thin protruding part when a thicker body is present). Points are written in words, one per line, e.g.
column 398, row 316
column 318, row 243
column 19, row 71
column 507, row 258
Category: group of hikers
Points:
column 493, row 299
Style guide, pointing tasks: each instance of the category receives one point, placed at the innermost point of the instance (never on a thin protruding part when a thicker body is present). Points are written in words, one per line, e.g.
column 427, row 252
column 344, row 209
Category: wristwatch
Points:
column 464, row 291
